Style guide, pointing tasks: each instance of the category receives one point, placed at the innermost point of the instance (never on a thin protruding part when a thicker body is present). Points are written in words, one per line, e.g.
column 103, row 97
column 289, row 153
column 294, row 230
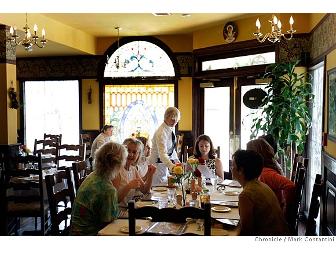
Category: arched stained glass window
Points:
column 139, row 59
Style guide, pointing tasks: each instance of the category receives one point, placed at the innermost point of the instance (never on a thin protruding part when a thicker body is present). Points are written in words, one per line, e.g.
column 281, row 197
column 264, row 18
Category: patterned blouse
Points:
column 95, row 205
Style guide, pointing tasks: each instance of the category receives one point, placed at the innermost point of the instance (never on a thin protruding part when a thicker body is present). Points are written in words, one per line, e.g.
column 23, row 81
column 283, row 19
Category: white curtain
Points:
column 51, row 107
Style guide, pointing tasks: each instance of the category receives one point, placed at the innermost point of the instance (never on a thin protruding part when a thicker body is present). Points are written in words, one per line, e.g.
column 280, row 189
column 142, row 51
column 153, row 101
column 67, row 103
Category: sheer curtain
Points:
column 51, row 107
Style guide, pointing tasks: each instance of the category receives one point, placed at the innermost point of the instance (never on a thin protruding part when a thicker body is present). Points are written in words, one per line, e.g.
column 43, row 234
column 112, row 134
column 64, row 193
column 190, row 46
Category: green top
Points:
column 96, row 205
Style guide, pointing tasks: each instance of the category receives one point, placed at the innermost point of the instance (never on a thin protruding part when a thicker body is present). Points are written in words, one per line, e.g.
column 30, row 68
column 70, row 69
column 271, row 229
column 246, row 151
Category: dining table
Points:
column 224, row 212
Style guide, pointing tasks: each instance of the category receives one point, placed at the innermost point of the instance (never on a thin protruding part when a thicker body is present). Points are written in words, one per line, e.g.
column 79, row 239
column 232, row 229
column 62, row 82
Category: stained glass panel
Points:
column 139, row 110
column 235, row 62
column 139, row 59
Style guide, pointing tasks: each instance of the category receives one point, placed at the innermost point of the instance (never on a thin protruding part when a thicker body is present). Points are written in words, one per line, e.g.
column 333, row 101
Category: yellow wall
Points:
column 90, row 112
column 185, row 103
column 315, row 18
column 177, row 43
column 213, row 36
column 8, row 121
column 331, row 63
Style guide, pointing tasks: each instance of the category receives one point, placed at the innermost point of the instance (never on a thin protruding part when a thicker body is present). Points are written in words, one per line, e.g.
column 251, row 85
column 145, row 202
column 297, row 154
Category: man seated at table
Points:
column 259, row 209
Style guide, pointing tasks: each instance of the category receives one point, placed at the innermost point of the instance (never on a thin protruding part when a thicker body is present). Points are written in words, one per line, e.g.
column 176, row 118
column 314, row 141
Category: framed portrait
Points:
column 230, row 32
column 332, row 104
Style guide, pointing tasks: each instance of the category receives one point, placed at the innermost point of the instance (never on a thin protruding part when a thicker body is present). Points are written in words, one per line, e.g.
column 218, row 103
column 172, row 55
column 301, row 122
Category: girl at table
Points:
column 259, row 210
column 96, row 203
column 203, row 150
column 129, row 183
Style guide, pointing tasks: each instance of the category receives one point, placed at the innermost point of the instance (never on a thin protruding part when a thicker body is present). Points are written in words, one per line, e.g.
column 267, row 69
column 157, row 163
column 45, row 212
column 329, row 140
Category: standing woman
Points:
column 96, row 203
column 129, row 182
column 164, row 154
column 203, row 149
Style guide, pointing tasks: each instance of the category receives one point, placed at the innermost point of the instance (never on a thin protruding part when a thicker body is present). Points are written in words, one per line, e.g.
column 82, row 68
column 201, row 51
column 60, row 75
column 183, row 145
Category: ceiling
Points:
column 132, row 24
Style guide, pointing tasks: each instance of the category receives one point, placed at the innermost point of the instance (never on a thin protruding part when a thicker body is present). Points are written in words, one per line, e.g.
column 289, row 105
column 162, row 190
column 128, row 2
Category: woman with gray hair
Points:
column 96, row 203
column 164, row 154
column 129, row 182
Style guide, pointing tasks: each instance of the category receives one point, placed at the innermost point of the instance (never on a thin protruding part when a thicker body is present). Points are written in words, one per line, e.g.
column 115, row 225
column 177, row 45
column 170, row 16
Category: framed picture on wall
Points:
column 332, row 104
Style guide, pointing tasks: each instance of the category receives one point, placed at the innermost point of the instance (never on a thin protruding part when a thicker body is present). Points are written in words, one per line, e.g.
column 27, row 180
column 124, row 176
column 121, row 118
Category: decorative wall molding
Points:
column 323, row 38
column 295, row 49
column 185, row 62
column 7, row 53
column 57, row 67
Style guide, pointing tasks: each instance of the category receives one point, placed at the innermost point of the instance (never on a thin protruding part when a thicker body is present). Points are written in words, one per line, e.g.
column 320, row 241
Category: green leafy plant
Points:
column 285, row 112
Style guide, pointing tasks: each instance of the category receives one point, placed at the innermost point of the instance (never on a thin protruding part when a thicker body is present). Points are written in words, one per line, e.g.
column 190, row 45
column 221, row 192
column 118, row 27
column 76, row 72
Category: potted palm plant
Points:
column 285, row 110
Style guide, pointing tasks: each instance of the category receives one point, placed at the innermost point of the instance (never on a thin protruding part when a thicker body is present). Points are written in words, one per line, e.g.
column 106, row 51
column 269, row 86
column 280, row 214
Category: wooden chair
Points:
column 48, row 152
column 86, row 139
column 314, row 207
column 58, row 193
column 168, row 215
column 68, row 153
column 24, row 189
column 295, row 210
column 55, row 138
column 80, row 171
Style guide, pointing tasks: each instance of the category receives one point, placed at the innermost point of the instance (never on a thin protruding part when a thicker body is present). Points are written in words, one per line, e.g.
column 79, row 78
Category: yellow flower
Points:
column 178, row 170
column 192, row 161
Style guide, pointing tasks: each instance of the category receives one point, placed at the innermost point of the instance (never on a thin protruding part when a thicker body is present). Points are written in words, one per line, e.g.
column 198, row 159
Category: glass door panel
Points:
column 217, row 120
column 247, row 115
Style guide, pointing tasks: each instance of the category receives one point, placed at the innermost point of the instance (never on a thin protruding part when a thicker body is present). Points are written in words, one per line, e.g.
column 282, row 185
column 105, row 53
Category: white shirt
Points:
column 126, row 177
column 162, row 144
column 100, row 140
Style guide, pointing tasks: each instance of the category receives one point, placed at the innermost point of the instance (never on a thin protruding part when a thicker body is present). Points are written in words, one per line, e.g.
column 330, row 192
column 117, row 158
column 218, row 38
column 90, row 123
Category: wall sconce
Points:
column 13, row 104
column 89, row 95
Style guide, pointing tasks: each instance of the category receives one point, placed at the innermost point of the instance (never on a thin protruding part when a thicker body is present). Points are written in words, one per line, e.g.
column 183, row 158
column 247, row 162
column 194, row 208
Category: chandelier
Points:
column 116, row 61
column 29, row 40
column 275, row 35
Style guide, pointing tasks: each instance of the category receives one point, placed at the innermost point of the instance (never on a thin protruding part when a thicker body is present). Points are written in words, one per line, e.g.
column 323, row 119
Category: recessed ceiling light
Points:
column 161, row 14
column 185, row 15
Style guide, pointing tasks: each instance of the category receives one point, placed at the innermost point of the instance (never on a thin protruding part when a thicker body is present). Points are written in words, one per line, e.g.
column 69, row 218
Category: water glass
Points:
column 172, row 195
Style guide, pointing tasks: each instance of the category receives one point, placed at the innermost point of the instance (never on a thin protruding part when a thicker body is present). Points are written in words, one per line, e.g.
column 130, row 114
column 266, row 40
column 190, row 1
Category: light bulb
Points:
column 11, row 30
column 35, row 28
column 43, row 33
column 258, row 25
column 279, row 25
column 275, row 20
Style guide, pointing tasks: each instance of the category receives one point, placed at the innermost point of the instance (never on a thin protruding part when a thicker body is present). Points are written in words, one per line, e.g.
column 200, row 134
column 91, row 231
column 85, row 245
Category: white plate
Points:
column 159, row 189
column 231, row 193
column 124, row 229
column 226, row 203
column 146, row 203
column 221, row 209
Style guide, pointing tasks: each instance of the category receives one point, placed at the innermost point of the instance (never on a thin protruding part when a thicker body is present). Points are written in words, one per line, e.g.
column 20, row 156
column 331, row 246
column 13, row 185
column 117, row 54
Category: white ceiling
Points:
column 132, row 24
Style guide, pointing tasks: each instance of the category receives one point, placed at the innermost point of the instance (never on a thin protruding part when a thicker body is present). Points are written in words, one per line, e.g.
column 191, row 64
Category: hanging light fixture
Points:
column 275, row 35
column 29, row 40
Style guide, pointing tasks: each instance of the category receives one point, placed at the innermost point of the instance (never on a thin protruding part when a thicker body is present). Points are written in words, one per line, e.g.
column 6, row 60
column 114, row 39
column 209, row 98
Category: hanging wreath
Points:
column 14, row 104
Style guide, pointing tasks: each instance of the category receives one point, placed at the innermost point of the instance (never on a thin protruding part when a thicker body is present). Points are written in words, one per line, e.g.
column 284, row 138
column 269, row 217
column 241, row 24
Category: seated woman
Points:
column 144, row 159
column 283, row 188
column 129, row 182
column 96, row 203
column 259, row 210
column 203, row 149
